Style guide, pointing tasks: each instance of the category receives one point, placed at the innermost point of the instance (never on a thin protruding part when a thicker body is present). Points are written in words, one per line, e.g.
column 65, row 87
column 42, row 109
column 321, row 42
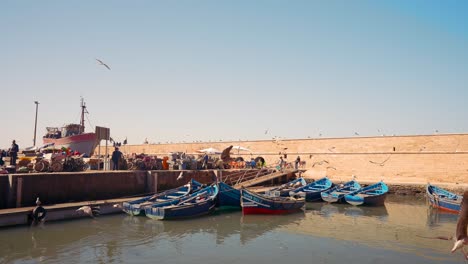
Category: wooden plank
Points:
column 263, row 178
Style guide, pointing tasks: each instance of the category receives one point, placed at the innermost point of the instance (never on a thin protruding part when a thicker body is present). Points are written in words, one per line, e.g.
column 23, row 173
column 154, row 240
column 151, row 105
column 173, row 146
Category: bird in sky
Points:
column 266, row 131
column 356, row 133
column 102, row 63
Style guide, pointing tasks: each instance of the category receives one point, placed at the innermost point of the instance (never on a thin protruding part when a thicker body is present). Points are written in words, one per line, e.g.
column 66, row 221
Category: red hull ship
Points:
column 72, row 136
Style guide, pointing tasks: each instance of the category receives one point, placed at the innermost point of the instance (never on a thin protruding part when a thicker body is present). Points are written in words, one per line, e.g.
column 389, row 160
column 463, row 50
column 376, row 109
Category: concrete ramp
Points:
column 264, row 178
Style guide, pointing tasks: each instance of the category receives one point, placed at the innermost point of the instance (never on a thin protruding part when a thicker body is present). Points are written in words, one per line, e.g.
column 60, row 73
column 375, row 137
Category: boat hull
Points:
column 169, row 197
column 443, row 199
column 376, row 200
column 228, row 197
column 372, row 195
column 311, row 192
column 253, row 203
column 197, row 204
column 182, row 212
column 83, row 143
column 337, row 193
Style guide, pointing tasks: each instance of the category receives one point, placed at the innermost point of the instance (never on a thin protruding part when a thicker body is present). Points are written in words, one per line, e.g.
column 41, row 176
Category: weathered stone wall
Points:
column 433, row 158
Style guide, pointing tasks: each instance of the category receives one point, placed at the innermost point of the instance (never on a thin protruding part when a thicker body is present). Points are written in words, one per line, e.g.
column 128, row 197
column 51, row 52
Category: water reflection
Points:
column 437, row 217
column 253, row 226
column 121, row 238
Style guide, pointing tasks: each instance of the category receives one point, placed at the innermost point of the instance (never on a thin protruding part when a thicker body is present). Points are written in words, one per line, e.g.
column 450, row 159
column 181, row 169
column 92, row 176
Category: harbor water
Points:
column 323, row 233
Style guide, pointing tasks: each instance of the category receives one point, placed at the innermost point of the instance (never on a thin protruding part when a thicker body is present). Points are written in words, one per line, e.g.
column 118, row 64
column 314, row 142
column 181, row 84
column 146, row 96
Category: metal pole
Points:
column 35, row 122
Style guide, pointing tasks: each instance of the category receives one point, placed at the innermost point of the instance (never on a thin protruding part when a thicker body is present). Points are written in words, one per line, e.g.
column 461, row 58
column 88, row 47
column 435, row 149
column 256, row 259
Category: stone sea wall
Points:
column 421, row 158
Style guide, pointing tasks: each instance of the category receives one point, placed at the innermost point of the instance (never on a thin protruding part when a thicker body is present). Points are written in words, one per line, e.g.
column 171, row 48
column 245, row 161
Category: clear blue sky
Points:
column 210, row 70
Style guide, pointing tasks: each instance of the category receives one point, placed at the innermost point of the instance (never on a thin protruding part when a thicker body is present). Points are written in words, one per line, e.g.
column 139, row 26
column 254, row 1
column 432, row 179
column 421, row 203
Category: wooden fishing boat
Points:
column 199, row 203
column 443, row 199
column 137, row 207
column 284, row 189
column 371, row 195
column 337, row 193
column 228, row 197
column 72, row 136
column 253, row 203
column 311, row 192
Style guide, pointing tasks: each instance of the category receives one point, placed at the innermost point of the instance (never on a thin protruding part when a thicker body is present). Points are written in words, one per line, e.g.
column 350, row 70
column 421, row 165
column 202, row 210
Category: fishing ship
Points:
column 72, row 136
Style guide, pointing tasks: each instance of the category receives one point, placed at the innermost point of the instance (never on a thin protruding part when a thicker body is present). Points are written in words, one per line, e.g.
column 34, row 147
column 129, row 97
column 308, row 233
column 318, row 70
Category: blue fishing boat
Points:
column 311, row 192
column 443, row 199
column 228, row 197
column 337, row 193
column 284, row 189
column 253, row 203
column 371, row 195
column 137, row 207
column 197, row 204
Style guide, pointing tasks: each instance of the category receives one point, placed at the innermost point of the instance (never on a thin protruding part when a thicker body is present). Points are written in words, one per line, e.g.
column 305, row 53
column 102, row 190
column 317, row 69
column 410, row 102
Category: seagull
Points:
column 381, row 163
column 102, row 63
column 266, row 131
column 461, row 238
column 356, row 133
column 319, row 163
column 88, row 210
column 181, row 176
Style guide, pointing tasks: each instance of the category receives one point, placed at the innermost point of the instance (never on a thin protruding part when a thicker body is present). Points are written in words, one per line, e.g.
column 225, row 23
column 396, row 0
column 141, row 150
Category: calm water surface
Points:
column 322, row 234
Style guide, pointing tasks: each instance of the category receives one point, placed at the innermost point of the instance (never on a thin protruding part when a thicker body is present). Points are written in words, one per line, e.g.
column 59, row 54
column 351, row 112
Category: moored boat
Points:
column 253, row 203
column 443, row 199
column 228, row 197
column 374, row 194
column 173, row 196
column 337, row 193
column 284, row 189
column 311, row 192
column 72, row 136
column 199, row 203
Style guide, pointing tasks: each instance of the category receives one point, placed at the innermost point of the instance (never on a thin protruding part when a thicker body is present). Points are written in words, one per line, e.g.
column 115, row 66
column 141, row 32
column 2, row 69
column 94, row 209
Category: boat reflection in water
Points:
column 226, row 225
column 253, row 226
column 436, row 217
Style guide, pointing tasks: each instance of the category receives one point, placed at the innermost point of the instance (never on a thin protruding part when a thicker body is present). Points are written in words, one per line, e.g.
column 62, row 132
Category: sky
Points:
column 234, row 70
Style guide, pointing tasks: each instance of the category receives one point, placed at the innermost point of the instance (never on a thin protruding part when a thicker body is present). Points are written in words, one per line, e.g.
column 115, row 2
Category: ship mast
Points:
column 83, row 110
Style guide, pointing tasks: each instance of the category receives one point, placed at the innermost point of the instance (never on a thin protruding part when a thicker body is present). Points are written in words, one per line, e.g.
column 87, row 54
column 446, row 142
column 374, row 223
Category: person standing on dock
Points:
column 116, row 156
column 205, row 162
column 280, row 163
column 298, row 161
column 13, row 153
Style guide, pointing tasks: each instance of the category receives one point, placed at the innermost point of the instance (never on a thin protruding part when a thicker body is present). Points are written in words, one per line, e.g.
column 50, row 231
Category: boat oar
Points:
column 195, row 197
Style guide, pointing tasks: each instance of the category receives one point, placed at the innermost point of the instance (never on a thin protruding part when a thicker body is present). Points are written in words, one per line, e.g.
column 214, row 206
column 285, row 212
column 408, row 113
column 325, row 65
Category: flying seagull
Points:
column 380, row 163
column 102, row 63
